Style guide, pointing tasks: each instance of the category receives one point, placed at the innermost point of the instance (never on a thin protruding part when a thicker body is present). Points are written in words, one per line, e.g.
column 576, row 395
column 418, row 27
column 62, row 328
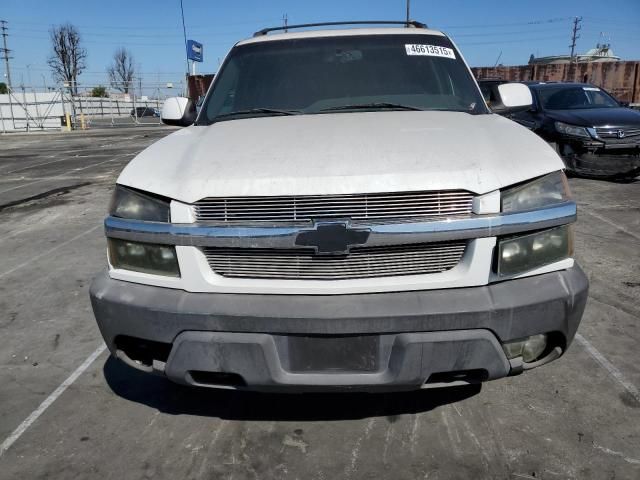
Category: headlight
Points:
column 544, row 191
column 520, row 254
column 574, row 130
column 127, row 203
column 144, row 257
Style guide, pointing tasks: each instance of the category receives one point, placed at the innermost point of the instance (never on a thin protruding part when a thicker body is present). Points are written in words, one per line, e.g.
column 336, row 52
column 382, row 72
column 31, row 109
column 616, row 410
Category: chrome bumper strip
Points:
column 277, row 236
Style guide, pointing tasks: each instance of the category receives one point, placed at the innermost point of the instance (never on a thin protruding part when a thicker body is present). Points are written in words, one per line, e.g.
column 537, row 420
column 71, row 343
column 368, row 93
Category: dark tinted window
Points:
column 574, row 97
column 309, row 75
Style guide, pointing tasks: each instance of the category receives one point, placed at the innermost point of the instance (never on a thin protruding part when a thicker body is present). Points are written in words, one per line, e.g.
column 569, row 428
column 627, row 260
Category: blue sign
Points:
column 194, row 51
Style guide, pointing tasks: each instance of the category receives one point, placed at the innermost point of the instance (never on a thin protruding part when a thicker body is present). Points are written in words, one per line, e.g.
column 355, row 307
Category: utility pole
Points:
column 285, row 21
column 574, row 35
column 5, row 50
column 408, row 11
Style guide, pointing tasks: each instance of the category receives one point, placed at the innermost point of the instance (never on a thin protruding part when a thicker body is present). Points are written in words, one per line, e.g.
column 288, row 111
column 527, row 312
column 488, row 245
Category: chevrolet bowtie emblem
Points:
column 333, row 238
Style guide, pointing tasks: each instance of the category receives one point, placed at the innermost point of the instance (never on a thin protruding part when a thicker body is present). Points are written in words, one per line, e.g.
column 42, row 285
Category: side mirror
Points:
column 515, row 97
column 178, row 111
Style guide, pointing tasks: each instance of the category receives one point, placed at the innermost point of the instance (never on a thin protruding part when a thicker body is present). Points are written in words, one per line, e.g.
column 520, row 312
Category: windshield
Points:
column 342, row 74
column 569, row 98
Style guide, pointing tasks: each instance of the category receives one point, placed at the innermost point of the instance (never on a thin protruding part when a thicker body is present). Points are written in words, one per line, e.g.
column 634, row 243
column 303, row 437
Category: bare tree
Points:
column 68, row 59
column 121, row 71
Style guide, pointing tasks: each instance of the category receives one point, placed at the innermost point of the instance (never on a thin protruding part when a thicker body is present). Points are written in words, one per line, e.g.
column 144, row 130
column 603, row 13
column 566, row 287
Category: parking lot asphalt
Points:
column 68, row 410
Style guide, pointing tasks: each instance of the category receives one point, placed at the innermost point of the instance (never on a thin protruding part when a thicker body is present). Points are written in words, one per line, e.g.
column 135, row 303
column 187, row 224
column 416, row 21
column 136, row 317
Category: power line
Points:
column 159, row 28
column 514, row 24
column 502, row 34
column 509, row 41
column 5, row 50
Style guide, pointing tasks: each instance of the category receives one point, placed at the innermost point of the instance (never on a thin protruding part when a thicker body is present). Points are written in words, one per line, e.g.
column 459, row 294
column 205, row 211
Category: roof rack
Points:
column 410, row 23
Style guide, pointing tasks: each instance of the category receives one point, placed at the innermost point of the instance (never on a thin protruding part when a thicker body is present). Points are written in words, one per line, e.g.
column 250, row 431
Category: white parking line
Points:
column 47, row 252
column 609, row 367
column 17, row 433
column 613, row 224
column 70, row 158
column 57, row 176
column 52, row 161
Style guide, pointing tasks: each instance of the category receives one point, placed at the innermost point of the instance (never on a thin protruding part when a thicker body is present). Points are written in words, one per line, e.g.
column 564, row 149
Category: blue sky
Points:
column 152, row 29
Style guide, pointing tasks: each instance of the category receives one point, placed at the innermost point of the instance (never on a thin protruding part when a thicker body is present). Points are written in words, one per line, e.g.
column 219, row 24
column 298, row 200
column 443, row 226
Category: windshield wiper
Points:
column 250, row 111
column 368, row 106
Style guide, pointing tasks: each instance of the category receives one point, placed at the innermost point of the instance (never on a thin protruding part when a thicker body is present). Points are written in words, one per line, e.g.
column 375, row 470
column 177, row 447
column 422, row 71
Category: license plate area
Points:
column 332, row 354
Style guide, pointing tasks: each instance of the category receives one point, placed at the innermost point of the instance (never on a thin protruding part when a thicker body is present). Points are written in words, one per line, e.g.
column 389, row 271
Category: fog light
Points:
column 144, row 257
column 529, row 348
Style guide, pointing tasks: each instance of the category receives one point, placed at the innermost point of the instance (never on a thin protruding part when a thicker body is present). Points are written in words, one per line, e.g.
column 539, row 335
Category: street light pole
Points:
column 184, row 31
column 408, row 10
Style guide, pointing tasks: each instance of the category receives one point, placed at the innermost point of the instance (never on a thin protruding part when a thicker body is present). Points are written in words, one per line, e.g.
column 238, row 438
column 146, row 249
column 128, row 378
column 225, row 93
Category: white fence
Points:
column 24, row 109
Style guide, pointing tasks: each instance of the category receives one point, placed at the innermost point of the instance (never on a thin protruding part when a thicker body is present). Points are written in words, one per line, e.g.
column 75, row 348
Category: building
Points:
column 601, row 53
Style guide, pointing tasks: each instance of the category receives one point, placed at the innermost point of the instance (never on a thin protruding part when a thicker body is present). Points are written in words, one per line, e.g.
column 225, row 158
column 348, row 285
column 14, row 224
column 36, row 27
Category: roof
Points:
column 341, row 33
column 601, row 53
column 560, row 84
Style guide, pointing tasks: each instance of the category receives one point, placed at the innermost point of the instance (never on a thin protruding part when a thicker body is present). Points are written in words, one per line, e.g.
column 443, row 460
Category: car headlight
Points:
column 520, row 254
column 548, row 190
column 573, row 130
column 144, row 257
column 128, row 203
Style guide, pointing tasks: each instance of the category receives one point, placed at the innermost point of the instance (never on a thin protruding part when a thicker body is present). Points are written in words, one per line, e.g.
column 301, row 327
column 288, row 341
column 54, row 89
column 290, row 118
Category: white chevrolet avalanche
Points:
column 343, row 213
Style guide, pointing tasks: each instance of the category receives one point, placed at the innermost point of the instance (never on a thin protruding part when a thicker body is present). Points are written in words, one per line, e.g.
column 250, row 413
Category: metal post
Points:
column 73, row 103
column 13, row 117
column 24, row 107
column 35, row 102
column 135, row 109
column 113, row 121
column 4, row 130
column 67, row 117
column 408, row 11
column 184, row 31
column 81, row 113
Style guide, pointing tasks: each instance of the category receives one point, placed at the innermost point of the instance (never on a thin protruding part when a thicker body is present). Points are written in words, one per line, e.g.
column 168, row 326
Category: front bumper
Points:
column 600, row 160
column 387, row 341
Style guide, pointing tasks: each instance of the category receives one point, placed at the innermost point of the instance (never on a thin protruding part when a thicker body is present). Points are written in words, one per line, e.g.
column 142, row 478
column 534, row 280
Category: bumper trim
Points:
column 277, row 236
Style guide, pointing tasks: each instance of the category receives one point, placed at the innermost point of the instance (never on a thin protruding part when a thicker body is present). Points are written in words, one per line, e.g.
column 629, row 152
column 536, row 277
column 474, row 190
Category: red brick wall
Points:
column 621, row 79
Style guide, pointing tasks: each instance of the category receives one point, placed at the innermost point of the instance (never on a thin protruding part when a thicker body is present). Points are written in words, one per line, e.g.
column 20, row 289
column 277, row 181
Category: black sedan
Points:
column 144, row 112
column 593, row 133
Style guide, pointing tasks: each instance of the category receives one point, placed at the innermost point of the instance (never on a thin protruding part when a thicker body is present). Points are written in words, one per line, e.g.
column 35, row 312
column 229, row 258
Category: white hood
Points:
column 361, row 152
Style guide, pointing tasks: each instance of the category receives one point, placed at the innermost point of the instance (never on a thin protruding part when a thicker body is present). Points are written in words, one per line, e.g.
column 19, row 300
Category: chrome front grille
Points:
column 628, row 134
column 369, row 206
column 362, row 262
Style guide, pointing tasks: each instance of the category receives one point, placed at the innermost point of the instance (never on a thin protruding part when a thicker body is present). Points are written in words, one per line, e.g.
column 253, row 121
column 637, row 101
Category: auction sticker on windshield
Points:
column 430, row 51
